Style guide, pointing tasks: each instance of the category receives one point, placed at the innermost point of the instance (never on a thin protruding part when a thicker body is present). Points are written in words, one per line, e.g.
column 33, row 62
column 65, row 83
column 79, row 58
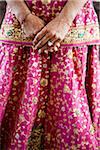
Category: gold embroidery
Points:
column 82, row 34
column 41, row 114
column 46, row 1
column 66, row 89
column 44, row 82
column 76, row 35
column 36, row 138
column 92, row 129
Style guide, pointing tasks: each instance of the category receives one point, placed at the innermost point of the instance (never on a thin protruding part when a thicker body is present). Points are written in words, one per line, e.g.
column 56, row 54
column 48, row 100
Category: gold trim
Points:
column 46, row 1
column 81, row 34
column 76, row 35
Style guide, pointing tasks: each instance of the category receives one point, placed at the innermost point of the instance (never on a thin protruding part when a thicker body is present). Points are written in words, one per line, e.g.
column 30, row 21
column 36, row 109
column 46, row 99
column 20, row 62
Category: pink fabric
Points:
column 52, row 99
column 84, row 29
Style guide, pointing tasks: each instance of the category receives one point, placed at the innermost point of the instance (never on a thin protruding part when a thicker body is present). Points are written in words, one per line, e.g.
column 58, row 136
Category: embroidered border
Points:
column 76, row 35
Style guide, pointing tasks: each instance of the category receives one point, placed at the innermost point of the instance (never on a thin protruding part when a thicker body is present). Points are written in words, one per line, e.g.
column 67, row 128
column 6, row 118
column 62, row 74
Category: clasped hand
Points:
column 46, row 37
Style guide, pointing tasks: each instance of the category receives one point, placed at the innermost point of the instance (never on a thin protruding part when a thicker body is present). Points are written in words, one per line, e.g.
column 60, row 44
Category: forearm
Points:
column 19, row 8
column 71, row 9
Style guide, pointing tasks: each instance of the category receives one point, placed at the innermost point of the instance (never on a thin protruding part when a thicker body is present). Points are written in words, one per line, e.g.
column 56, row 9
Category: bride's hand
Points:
column 52, row 34
column 32, row 25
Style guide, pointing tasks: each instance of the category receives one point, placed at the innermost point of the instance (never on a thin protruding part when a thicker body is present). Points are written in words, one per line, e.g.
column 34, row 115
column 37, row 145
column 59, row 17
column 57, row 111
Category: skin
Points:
column 32, row 22
column 54, row 31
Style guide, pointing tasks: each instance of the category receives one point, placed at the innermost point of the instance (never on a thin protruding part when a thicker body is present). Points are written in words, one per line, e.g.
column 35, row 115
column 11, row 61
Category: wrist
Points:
column 64, row 20
column 69, row 12
column 19, row 8
column 25, row 17
column 22, row 16
column 29, row 16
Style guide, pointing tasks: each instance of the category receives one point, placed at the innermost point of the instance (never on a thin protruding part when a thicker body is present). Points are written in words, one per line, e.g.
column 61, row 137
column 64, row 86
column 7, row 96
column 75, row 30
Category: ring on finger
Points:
column 50, row 43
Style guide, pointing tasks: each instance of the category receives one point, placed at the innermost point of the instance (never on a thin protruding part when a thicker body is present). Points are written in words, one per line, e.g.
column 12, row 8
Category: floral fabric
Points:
column 84, row 30
column 49, row 101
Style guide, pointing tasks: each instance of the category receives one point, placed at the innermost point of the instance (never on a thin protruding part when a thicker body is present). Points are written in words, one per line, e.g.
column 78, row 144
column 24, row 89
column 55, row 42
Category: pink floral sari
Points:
column 50, row 101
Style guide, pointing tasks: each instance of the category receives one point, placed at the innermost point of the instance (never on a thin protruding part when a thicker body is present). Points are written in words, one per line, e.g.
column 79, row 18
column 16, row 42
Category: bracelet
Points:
column 25, row 17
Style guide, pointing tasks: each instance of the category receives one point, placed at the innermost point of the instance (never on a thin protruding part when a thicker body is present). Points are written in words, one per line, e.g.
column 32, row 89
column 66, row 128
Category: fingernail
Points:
column 46, row 51
column 55, row 48
column 58, row 44
column 39, row 51
column 51, row 50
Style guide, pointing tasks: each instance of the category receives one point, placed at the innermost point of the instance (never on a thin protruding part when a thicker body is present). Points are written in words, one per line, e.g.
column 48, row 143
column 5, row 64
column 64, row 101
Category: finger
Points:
column 43, row 41
column 54, row 39
column 44, row 49
column 56, row 45
column 50, row 49
column 32, row 36
column 39, row 36
column 53, row 48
